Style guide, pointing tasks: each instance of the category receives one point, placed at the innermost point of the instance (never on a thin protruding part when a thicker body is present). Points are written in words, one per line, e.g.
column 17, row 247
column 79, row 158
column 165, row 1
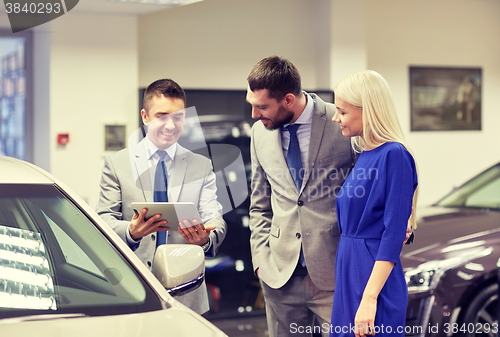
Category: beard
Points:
column 283, row 116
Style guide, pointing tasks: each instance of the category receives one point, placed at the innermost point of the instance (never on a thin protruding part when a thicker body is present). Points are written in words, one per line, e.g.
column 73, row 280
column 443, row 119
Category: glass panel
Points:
column 481, row 191
column 72, row 252
column 486, row 197
column 52, row 255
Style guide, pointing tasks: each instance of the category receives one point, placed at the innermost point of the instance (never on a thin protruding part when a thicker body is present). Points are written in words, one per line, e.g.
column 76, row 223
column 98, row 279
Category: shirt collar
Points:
column 307, row 114
column 152, row 148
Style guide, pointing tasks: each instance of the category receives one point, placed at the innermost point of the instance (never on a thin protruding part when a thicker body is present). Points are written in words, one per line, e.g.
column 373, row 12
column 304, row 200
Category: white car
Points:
column 64, row 272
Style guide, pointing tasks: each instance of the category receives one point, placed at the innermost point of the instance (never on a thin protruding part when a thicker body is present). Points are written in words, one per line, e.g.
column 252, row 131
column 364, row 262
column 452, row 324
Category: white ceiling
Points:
column 115, row 7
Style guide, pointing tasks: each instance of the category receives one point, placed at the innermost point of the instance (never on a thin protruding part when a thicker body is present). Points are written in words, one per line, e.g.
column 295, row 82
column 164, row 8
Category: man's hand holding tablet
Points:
column 154, row 216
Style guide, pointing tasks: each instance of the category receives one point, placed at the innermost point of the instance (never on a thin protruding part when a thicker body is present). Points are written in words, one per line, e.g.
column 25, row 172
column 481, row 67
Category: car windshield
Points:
column 483, row 191
column 54, row 260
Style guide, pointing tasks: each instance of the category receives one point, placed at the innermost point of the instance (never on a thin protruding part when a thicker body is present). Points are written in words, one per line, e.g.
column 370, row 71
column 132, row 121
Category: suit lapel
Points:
column 142, row 175
column 178, row 175
column 275, row 149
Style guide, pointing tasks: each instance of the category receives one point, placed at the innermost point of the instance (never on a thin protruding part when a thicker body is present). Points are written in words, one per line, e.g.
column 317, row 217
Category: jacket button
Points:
column 300, row 203
column 153, row 237
column 149, row 263
column 298, row 235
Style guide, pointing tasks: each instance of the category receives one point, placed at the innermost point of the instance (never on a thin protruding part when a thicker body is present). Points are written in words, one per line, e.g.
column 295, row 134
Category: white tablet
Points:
column 173, row 212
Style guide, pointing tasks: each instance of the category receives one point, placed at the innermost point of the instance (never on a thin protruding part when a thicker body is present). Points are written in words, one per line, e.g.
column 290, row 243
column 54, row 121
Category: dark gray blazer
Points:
column 126, row 179
column 283, row 218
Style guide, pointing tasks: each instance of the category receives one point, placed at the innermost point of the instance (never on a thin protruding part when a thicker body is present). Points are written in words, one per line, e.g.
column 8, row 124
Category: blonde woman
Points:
column 373, row 208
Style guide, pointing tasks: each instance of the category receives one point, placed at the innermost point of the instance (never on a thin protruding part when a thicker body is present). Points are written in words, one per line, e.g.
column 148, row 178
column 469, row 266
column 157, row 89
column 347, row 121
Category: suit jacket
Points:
column 126, row 178
column 283, row 218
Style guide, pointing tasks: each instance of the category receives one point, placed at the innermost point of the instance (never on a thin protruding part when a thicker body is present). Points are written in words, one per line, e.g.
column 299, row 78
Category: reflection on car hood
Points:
column 174, row 322
column 446, row 232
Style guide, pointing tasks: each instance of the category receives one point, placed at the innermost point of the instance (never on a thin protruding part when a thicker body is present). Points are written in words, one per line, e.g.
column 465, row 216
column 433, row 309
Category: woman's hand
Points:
column 364, row 321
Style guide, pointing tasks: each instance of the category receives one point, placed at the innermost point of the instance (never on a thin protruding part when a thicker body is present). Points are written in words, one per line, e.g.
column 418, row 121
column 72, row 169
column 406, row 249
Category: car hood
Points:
column 171, row 322
column 445, row 233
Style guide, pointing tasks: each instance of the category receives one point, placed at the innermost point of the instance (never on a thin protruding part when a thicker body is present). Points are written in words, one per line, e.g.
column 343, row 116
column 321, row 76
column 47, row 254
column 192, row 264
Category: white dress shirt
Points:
column 303, row 133
column 153, row 159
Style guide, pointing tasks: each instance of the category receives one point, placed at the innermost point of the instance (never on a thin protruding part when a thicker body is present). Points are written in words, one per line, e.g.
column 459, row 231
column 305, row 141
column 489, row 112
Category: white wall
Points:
column 348, row 39
column 215, row 43
column 93, row 82
column 462, row 33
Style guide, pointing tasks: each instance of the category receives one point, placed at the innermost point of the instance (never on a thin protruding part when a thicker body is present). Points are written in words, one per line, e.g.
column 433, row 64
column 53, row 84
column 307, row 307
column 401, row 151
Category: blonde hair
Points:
column 369, row 91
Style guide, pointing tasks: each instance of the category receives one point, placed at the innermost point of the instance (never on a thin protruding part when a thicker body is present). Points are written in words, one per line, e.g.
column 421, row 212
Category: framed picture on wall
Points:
column 114, row 137
column 445, row 98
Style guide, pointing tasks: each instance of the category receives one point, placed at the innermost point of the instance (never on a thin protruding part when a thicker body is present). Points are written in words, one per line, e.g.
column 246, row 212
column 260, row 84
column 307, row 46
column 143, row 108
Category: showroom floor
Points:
column 249, row 326
column 244, row 326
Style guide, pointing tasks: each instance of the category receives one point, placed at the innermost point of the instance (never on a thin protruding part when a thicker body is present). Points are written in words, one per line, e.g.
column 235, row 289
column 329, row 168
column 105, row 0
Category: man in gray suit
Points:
column 294, row 232
column 128, row 176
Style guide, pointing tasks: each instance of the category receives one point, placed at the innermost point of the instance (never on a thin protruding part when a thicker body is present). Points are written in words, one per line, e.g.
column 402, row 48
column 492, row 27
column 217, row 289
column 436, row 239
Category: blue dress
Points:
column 373, row 207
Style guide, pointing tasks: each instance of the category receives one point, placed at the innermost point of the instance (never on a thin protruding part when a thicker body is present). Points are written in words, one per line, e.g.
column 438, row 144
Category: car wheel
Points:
column 481, row 316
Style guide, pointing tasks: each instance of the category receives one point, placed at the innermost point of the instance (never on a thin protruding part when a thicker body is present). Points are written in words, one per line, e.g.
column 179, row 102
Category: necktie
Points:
column 293, row 159
column 294, row 162
column 160, row 192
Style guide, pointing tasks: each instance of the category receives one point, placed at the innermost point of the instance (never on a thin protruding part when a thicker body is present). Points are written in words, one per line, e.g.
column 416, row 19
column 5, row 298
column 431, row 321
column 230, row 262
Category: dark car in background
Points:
column 451, row 268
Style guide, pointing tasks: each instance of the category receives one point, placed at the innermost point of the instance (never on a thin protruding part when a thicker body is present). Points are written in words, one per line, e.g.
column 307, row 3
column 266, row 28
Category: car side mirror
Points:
column 179, row 268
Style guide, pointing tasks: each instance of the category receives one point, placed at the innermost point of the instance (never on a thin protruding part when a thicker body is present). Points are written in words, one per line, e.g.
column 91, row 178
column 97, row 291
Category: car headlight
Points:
column 421, row 279
column 427, row 275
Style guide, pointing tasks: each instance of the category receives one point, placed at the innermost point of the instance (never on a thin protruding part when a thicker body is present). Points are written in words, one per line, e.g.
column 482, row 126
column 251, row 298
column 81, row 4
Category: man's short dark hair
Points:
column 279, row 76
column 165, row 87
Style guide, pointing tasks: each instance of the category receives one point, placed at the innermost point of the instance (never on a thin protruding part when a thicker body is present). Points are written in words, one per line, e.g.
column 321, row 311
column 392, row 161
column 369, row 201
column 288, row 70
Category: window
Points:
column 486, row 197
